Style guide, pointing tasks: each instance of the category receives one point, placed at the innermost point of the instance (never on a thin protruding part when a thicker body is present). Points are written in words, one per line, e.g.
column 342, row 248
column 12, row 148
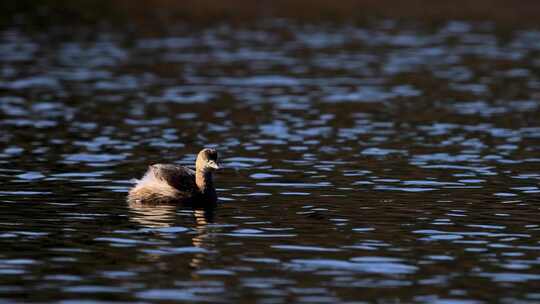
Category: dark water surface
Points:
column 381, row 164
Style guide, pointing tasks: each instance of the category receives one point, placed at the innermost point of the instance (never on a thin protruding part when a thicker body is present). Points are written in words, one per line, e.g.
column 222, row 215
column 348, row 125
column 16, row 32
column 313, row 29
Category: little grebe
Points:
column 170, row 183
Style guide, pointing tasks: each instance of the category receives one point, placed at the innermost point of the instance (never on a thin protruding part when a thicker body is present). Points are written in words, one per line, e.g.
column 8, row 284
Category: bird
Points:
column 172, row 183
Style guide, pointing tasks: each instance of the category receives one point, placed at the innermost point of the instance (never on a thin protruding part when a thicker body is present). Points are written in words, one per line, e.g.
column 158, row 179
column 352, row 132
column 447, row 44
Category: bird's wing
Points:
column 179, row 177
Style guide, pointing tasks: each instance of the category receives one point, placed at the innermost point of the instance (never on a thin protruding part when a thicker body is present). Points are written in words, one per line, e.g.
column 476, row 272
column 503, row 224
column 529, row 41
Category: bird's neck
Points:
column 205, row 182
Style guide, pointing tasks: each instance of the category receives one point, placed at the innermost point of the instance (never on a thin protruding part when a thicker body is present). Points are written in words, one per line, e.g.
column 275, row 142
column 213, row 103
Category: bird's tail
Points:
column 150, row 190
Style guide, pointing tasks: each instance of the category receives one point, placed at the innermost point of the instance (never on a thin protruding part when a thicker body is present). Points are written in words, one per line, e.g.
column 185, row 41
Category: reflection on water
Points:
column 161, row 219
column 379, row 163
column 153, row 216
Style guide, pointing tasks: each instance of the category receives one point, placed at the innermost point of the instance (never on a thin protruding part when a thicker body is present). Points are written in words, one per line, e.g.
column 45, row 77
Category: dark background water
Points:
column 388, row 162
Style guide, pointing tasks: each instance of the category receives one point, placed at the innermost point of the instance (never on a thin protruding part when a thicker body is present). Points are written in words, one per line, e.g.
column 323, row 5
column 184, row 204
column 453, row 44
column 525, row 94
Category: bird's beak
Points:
column 214, row 165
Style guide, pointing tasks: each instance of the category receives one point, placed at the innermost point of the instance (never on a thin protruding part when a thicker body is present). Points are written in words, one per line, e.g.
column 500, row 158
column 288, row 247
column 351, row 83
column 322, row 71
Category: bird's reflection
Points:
column 152, row 216
column 166, row 215
column 203, row 236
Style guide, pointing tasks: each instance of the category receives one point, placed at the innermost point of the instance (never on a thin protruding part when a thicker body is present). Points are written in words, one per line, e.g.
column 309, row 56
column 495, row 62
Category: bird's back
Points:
column 179, row 177
column 164, row 183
